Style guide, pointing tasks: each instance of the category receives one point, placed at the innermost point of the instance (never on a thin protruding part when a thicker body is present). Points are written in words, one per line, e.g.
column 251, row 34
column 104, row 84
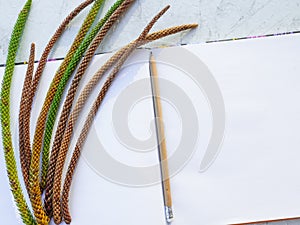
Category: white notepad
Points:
column 114, row 195
column 255, row 176
column 252, row 176
column 94, row 199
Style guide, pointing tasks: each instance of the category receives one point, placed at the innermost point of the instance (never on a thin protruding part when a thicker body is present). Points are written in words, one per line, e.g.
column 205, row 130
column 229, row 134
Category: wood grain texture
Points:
column 161, row 133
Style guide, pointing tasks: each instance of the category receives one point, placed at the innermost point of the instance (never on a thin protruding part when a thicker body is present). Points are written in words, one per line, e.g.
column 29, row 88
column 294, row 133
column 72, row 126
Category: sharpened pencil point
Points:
column 151, row 58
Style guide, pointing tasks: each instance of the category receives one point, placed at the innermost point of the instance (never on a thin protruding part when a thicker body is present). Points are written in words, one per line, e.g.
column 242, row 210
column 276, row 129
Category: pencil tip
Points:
column 151, row 56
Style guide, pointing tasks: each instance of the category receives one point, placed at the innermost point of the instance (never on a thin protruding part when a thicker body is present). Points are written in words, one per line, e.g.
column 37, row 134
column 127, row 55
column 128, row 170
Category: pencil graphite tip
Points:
column 151, row 57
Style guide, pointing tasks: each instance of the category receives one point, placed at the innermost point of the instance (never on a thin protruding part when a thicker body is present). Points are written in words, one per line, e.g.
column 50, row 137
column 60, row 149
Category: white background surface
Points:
column 218, row 19
column 254, row 177
column 89, row 188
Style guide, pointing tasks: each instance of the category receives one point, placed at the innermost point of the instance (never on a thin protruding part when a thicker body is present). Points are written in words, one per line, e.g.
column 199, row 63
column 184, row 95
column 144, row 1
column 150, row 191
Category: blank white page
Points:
column 255, row 175
column 96, row 198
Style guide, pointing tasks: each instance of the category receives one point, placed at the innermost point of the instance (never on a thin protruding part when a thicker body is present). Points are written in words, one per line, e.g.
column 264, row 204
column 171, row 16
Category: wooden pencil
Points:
column 162, row 148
